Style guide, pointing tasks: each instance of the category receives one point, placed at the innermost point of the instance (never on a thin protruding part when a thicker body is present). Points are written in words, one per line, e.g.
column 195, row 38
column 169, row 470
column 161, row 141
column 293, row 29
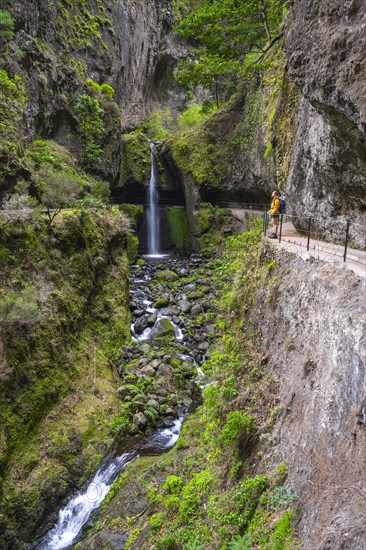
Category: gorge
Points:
column 139, row 142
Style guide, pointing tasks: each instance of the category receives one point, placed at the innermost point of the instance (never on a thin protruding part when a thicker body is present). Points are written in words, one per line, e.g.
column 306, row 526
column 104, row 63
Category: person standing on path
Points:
column 274, row 212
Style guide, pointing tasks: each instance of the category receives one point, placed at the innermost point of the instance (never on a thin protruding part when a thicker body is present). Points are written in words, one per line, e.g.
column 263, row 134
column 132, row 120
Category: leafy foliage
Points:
column 91, row 127
column 225, row 34
column 194, row 114
column 6, row 25
column 236, row 422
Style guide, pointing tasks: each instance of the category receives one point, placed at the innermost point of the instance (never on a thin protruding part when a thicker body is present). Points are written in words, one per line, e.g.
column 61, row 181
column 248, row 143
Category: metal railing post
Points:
column 309, row 227
column 346, row 242
column 281, row 219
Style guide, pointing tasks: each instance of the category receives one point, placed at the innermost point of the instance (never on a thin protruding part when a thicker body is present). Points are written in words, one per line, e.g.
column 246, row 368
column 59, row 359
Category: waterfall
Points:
column 153, row 230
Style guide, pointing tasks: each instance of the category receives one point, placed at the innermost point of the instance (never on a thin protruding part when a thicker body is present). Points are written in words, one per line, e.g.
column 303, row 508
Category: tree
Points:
column 57, row 190
column 223, row 33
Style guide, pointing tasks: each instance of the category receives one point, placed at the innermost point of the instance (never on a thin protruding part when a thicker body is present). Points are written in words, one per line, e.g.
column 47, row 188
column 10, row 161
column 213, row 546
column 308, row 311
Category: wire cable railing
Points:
column 320, row 237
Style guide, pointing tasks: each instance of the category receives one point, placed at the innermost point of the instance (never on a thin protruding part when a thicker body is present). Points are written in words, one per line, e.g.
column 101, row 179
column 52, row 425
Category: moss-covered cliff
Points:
column 64, row 316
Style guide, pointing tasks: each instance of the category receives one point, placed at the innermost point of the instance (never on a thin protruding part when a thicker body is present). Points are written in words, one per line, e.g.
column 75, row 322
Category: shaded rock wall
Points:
column 326, row 45
column 314, row 332
column 59, row 44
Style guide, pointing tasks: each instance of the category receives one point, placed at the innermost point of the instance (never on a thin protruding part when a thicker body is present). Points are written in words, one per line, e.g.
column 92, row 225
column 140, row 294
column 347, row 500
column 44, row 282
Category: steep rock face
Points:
column 58, row 45
column 241, row 153
column 315, row 341
column 326, row 44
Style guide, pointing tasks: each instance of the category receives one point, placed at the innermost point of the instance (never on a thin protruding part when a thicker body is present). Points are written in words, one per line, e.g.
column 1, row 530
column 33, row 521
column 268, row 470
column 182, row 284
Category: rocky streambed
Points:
column 172, row 312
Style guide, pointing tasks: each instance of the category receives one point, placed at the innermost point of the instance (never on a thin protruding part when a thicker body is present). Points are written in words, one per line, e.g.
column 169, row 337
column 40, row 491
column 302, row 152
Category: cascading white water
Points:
column 153, row 229
column 76, row 513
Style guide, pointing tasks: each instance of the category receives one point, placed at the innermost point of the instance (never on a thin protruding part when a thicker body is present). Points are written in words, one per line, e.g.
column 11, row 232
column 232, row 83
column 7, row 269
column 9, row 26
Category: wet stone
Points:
column 154, row 404
column 190, row 287
column 204, row 346
column 140, row 325
column 151, row 320
column 147, row 371
column 184, row 306
column 138, row 313
column 169, row 411
column 163, row 329
column 139, row 421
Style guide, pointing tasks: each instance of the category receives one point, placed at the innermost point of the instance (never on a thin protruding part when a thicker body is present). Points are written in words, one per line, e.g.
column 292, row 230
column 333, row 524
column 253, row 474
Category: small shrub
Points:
column 156, row 520
column 281, row 497
column 240, row 543
column 173, row 484
column 236, row 422
column 169, row 542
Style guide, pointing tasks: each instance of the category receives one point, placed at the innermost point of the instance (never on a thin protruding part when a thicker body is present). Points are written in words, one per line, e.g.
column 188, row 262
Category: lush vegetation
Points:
column 63, row 318
column 227, row 36
column 212, row 490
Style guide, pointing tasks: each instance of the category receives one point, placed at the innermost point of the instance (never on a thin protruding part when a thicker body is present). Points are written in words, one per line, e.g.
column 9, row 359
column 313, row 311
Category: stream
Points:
column 148, row 324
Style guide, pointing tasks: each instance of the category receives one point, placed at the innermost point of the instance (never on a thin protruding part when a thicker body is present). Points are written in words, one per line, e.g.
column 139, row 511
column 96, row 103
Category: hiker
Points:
column 274, row 212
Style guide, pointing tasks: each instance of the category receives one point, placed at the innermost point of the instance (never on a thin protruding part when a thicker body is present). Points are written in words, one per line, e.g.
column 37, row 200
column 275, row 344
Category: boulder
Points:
column 138, row 313
column 204, row 346
column 163, row 329
column 162, row 302
column 139, row 421
column 147, row 371
column 169, row 411
column 166, row 275
column 196, row 309
column 140, row 325
column 153, row 403
column 184, row 306
column 151, row 320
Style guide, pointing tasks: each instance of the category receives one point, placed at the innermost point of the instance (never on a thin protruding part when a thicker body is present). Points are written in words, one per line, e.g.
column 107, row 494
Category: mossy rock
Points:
column 195, row 295
column 178, row 229
column 167, row 275
column 163, row 329
column 135, row 159
column 132, row 247
column 162, row 302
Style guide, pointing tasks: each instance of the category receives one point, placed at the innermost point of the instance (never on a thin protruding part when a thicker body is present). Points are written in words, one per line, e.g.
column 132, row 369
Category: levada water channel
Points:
column 172, row 306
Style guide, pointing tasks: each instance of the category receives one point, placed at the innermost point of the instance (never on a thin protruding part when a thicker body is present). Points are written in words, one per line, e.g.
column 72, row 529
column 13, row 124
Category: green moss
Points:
column 77, row 27
column 133, row 211
column 12, row 104
column 135, row 159
column 132, row 247
column 162, row 302
column 58, row 389
column 166, row 275
column 178, row 229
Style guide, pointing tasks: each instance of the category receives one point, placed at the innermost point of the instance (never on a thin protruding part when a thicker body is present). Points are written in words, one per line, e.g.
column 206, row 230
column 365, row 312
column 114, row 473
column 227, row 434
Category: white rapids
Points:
column 76, row 513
